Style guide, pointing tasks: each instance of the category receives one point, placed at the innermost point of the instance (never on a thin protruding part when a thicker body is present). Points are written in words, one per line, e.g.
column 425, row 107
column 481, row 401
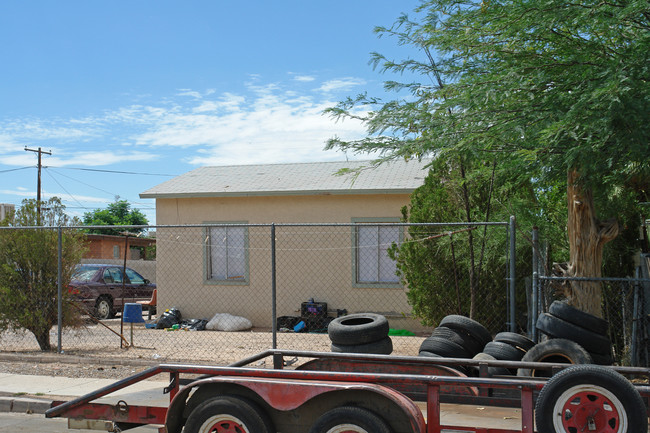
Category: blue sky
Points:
column 161, row 87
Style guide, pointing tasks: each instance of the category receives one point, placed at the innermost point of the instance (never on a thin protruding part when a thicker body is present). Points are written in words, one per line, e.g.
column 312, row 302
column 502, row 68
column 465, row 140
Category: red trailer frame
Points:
column 391, row 386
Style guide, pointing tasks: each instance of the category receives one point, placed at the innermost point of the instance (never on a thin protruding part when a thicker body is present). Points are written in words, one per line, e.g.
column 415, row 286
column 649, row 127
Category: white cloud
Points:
column 341, row 84
column 304, row 78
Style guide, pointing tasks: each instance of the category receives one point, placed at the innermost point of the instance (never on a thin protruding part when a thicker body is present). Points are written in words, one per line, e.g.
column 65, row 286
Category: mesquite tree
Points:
column 29, row 269
column 560, row 90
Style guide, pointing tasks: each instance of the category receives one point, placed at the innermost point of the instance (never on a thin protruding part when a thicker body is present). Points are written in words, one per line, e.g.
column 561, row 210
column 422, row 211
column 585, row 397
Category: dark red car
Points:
column 104, row 288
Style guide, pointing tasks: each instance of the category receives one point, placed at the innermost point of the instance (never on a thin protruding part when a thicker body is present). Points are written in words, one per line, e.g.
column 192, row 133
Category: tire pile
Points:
column 574, row 336
column 360, row 333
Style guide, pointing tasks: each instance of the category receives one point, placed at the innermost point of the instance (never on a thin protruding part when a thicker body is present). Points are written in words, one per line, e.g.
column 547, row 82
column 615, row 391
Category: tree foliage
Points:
column 29, row 269
column 559, row 91
column 459, row 269
column 118, row 213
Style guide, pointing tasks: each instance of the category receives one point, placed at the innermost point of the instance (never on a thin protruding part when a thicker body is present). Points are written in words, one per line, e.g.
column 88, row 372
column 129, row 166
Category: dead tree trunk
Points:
column 587, row 237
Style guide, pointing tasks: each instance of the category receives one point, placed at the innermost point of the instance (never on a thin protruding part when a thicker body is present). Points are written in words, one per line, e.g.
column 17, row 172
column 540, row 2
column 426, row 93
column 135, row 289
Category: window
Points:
column 372, row 263
column 227, row 254
column 134, row 277
column 113, row 275
column 116, row 251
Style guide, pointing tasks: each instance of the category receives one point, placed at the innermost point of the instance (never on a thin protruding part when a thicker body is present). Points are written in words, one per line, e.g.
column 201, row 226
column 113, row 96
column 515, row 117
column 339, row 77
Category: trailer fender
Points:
column 283, row 395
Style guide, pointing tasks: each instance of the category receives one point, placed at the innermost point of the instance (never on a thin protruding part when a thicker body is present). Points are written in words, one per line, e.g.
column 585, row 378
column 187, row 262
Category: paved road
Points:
column 37, row 423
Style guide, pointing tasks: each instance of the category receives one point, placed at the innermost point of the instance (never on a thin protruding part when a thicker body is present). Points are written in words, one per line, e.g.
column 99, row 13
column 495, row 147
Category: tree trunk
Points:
column 587, row 237
column 43, row 339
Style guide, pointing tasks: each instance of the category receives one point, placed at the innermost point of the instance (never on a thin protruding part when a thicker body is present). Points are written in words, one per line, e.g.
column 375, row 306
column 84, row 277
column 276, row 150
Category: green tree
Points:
column 560, row 91
column 118, row 213
column 458, row 269
column 29, row 269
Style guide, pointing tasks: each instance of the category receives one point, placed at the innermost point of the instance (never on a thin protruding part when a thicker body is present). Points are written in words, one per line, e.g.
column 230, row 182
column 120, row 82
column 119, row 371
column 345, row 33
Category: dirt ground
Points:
column 97, row 352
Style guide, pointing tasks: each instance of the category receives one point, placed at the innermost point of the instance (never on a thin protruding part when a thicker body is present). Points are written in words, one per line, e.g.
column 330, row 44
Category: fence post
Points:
column 513, row 322
column 59, row 296
column 532, row 330
column 273, row 290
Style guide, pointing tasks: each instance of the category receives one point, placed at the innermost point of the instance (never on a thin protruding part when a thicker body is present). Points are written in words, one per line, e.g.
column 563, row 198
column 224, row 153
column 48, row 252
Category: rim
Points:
column 223, row 423
column 103, row 309
column 589, row 408
column 347, row 428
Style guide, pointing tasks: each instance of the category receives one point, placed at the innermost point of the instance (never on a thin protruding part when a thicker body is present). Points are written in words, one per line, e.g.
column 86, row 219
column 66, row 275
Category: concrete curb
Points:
column 24, row 405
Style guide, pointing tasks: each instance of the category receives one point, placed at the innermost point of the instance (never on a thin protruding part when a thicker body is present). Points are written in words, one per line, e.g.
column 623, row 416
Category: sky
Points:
column 128, row 94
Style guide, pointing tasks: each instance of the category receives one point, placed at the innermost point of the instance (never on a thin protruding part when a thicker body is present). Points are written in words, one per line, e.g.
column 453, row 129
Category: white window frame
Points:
column 356, row 255
column 238, row 279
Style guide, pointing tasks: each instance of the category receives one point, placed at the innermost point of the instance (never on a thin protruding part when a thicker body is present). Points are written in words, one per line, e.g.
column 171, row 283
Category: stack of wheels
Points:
column 506, row 346
column 589, row 331
column 360, row 333
column 456, row 337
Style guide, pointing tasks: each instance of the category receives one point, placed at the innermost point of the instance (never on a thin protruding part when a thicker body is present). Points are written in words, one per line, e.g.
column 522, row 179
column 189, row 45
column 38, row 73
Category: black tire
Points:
column 381, row 347
column 515, row 339
column 459, row 337
column 459, row 368
column 353, row 419
column 567, row 396
column 558, row 328
column 557, row 350
column 104, row 308
column 492, row 371
column 358, row 328
column 228, row 413
column 446, row 348
column 578, row 317
column 472, row 327
column 503, row 351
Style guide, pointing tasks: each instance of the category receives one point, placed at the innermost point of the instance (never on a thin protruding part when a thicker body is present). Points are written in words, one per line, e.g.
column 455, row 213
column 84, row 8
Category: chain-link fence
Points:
column 268, row 278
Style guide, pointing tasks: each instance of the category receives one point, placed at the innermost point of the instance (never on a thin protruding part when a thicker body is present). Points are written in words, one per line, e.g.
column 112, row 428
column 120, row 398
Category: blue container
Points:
column 132, row 313
column 300, row 326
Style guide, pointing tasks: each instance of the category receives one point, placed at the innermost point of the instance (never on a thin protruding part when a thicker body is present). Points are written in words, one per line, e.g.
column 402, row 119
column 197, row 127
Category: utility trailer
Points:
column 356, row 393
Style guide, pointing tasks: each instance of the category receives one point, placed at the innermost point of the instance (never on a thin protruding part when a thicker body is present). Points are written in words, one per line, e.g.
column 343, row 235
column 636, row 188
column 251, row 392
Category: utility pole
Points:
column 38, row 181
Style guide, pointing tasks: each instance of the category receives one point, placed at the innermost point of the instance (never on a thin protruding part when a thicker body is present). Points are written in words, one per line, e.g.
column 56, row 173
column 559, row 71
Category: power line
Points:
column 117, row 172
column 15, row 169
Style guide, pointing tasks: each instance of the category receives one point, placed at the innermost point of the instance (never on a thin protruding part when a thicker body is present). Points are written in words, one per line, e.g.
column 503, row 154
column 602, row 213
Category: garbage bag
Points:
column 169, row 318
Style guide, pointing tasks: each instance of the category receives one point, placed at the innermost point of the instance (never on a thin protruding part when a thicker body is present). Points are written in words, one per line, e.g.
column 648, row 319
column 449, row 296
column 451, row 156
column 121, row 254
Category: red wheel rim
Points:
column 224, row 424
column 590, row 411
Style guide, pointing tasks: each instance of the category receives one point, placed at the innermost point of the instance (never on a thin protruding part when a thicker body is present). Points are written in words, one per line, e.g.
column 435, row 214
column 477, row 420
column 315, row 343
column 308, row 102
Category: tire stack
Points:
column 587, row 330
column 456, row 337
column 573, row 337
column 360, row 333
column 506, row 346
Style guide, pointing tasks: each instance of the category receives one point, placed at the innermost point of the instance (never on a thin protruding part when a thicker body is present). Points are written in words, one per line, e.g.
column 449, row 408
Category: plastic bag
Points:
column 228, row 322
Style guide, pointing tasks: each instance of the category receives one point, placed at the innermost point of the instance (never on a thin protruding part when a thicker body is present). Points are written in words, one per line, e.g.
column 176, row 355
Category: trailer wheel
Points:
column 228, row 414
column 350, row 419
column 590, row 398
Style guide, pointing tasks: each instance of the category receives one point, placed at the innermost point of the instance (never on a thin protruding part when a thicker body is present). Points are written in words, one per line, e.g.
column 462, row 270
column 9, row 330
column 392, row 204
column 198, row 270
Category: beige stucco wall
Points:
column 311, row 262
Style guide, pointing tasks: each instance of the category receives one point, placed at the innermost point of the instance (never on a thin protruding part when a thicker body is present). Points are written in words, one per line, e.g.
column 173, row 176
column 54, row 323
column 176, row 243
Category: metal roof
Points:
column 312, row 178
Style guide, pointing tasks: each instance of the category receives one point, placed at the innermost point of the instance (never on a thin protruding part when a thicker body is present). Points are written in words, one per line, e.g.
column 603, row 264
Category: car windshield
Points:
column 84, row 273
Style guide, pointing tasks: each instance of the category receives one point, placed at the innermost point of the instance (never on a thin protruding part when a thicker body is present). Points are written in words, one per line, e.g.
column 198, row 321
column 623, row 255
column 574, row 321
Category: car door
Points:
column 113, row 282
column 139, row 288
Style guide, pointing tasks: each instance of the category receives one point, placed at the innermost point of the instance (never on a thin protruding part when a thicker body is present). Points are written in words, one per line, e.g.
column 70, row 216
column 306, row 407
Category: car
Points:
column 103, row 289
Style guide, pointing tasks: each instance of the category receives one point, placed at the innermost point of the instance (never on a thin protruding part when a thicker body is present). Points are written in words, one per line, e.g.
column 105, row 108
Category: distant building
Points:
column 6, row 209
column 111, row 247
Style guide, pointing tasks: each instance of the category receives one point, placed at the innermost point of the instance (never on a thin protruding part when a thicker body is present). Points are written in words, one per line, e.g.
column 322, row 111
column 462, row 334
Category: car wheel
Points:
column 104, row 308
column 587, row 397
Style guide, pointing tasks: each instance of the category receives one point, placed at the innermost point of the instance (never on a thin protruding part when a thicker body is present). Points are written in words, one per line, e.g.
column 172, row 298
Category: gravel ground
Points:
column 98, row 355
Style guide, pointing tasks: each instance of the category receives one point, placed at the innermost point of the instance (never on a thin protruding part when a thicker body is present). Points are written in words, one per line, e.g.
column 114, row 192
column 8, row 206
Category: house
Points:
column 227, row 269
column 112, row 247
